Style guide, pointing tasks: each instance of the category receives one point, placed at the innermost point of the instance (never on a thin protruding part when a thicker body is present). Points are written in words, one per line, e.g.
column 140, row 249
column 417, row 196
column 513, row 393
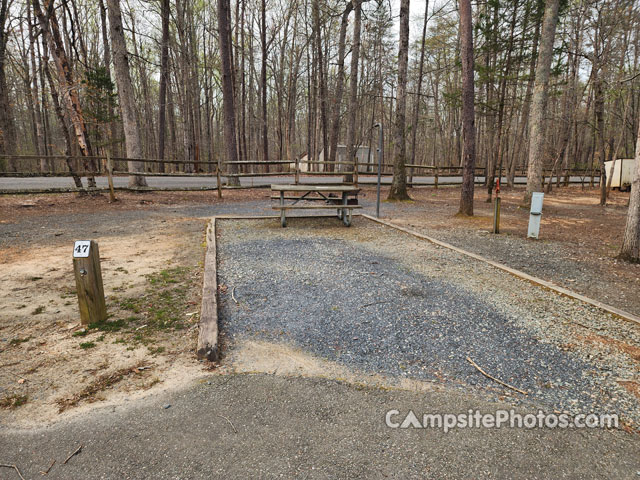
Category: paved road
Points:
column 39, row 183
column 265, row 426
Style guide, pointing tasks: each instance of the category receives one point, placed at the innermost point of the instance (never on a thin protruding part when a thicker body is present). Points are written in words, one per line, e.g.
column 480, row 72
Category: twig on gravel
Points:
column 14, row 467
column 494, row 378
column 374, row 303
column 77, row 450
column 234, row 428
column 48, row 469
column 233, row 291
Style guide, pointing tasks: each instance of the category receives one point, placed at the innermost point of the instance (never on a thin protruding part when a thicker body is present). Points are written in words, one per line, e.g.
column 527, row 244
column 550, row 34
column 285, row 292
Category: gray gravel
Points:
column 355, row 296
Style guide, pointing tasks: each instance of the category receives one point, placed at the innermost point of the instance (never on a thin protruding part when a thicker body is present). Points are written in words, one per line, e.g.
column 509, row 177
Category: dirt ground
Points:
column 51, row 366
column 151, row 247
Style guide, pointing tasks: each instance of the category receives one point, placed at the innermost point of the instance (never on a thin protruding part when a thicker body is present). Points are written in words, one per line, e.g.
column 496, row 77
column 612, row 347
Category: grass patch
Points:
column 130, row 304
column 163, row 306
column 114, row 326
column 18, row 341
column 38, row 310
column 12, row 401
column 80, row 333
column 87, row 345
column 165, row 277
column 155, row 350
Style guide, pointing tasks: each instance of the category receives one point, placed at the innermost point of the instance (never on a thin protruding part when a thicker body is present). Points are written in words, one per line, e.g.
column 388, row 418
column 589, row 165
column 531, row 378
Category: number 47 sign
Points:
column 81, row 248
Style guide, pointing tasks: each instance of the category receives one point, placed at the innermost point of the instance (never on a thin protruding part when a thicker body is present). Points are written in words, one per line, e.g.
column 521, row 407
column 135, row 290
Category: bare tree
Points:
column 353, row 86
column 537, row 120
column 164, row 74
column 126, row 94
column 631, row 240
column 468, row 113
column 398, row 189
column 51, row 30
column 224, row 38
column 337, row 97
column 7, row 122
column 418, row 100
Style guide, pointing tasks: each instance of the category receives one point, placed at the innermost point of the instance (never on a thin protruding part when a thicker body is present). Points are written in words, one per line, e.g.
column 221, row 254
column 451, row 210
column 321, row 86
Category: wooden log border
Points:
column 517, row 273
column 208, row 327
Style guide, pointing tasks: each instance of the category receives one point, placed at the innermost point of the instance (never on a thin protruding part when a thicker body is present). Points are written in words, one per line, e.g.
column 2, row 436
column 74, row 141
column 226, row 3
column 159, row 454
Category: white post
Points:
column 535, row 215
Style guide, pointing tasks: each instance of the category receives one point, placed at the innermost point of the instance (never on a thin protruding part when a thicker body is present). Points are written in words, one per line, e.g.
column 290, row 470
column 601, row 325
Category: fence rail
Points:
column 101, row 166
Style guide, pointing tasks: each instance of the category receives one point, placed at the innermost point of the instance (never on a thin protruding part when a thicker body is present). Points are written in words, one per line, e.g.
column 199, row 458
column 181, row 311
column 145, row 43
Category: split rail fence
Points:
column 351, row 173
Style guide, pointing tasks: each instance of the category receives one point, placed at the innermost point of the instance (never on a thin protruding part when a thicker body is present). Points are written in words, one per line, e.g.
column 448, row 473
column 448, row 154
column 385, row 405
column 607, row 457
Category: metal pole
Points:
column 380, row 153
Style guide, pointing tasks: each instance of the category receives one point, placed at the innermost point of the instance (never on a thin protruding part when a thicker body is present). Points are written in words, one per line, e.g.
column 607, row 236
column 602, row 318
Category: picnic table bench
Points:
column 316, row 193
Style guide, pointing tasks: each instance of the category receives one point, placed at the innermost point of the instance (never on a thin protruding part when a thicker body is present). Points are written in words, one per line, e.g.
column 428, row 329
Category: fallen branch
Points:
column 374, row 303
column 14, row 467
column 48, row 469
column 74, row 453
column 494, row 378
column 234, row 428
column 233, row 291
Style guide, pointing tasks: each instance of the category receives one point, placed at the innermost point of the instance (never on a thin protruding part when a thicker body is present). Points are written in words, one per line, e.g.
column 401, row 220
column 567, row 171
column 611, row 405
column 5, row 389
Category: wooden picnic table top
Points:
column 314, row 188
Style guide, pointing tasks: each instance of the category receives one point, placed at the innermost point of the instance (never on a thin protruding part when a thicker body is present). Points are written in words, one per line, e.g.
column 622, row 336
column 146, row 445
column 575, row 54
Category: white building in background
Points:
column 622, row 172
column 362, row 153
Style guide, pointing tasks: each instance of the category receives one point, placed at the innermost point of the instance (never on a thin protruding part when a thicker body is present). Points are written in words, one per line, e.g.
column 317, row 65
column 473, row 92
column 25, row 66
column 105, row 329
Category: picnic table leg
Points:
column 345, row 211
column 283, row 218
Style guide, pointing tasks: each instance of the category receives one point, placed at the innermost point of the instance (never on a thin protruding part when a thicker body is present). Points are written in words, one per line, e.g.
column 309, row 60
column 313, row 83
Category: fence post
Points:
column 355, row 170
column 112, row 195
column 436, row 178
column 219, row 183
column 297, row 173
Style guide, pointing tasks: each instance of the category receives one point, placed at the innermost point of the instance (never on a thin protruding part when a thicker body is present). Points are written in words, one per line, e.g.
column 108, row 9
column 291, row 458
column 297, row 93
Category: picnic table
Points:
column 343, row 198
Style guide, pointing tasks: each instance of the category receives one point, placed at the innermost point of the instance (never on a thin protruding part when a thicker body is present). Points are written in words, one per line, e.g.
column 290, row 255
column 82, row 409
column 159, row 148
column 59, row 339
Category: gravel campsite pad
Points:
column 382, row 301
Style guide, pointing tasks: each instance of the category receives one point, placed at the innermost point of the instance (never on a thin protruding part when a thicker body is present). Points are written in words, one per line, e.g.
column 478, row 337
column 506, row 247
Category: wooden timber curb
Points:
column 208, row 327
column 517, row 273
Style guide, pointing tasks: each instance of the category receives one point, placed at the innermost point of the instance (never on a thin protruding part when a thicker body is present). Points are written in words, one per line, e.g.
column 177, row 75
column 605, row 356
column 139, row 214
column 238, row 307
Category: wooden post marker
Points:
column 112, row 194
column 496, row 209
column 86, row 268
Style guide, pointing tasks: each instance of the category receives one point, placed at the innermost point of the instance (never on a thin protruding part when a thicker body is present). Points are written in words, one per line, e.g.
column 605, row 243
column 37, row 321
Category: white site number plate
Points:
column 81, row 248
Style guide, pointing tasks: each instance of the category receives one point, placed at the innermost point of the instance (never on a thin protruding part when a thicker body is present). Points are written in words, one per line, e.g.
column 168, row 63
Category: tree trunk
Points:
column 322, row 81
column 353, row 87
column 125, row 94
column 398, row 189
column 418, row 99
column 468, row 114
column 164, row 73
column 7, row 123
column 60, row 114
column 224, row 36
column 631, row 240
column 263, row 82
column 337, row 97
column 51, row 31
column 537, row 120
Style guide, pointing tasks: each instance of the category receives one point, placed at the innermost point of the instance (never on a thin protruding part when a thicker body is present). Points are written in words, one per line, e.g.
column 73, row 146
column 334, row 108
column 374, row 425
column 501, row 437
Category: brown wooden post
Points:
column 297, row 172
column 355, row 170
column 86, row 267
column 112, row 194
column 436, row 178
column 218, row 181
